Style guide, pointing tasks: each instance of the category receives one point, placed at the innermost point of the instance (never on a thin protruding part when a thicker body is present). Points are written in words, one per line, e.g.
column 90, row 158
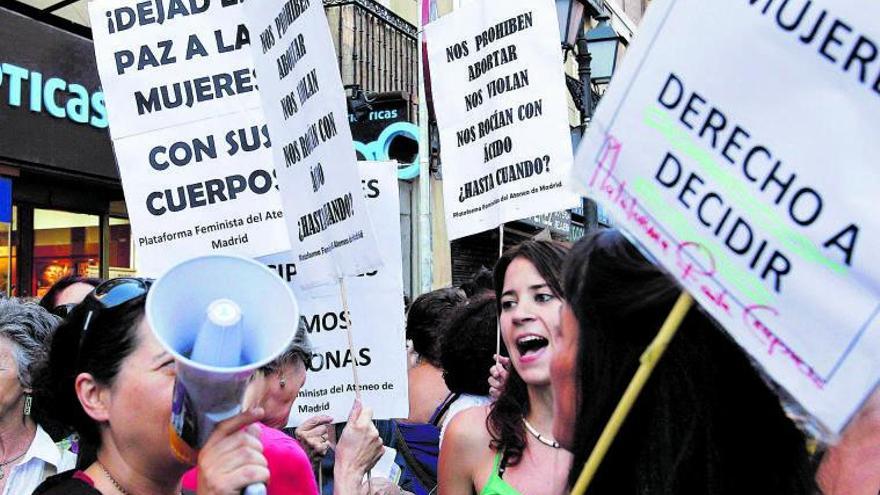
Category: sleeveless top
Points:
column 495, row 485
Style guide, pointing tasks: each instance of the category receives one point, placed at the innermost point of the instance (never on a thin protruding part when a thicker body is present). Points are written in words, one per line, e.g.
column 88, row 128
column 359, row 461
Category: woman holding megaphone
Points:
column 111, row 380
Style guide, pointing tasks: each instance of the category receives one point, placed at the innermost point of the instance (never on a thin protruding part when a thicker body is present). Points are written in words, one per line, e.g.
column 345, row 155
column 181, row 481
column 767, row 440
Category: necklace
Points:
column 10, row 461
column 548, row 442
column 116, row 484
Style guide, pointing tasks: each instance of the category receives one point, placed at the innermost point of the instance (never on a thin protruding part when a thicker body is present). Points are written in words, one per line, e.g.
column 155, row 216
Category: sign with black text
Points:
column 761, row 197
column 190, row 139
column 314, row 154
column 376, row 305
column 497, row 75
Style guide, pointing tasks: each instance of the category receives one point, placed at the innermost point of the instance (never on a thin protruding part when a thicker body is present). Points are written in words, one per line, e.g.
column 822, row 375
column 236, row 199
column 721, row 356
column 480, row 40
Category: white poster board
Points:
column 738, row 145
column 305, row 108
column 376, row 304
column 499, row 89
column 188, row 132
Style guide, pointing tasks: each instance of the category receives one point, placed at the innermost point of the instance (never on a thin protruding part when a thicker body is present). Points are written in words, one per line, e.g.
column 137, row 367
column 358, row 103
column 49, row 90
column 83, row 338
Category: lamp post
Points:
column 571, row 15
column 596, row 59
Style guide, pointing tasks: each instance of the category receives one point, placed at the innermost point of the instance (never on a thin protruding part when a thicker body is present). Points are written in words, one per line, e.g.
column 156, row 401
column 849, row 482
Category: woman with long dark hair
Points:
column 704, row 423
column 507, row 448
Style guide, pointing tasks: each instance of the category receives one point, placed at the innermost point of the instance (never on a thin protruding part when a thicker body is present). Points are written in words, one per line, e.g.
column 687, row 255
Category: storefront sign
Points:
column 82, row 106
column 314, row 156
column 190, row 137
column 497, row 75
column 759, row 197
column 51, row 105
column 376, row 320
column 382, row 131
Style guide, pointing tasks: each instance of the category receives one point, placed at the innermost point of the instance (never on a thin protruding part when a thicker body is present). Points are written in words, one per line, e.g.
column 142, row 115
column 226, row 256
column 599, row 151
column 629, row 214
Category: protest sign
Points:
column 305, row 109
column 496, row 73
column 165, row 63
column 376, row 305
column 189, row 135
column 758, row 197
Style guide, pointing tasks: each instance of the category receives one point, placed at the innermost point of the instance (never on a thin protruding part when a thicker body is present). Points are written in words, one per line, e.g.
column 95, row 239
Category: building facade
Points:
column 67, row 210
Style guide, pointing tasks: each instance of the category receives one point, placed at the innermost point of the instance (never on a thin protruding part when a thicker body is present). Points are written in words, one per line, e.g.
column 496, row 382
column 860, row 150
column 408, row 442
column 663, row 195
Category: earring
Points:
column 28, row 402
column 283, row 383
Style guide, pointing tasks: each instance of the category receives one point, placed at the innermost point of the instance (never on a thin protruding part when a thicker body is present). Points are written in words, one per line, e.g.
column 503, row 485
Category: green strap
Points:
column 496, row 464
column 496, row 485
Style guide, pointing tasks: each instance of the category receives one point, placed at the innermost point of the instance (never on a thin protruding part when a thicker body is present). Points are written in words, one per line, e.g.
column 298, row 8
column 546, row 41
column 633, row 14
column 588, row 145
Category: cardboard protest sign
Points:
column 314, row 153
column 497, row 75
column 759, row 197
column 376, row 304
column 189, row 135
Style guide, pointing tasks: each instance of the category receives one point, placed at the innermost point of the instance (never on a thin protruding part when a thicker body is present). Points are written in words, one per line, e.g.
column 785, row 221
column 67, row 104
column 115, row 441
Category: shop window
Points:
column 64, row 244
column 8, row 243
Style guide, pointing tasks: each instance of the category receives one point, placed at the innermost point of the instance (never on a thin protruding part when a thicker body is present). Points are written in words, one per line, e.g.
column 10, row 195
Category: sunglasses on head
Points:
column 109, row 295
column 63, row 310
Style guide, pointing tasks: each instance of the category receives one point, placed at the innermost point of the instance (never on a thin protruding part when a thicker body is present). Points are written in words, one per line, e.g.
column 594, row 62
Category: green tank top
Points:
column 495, row 485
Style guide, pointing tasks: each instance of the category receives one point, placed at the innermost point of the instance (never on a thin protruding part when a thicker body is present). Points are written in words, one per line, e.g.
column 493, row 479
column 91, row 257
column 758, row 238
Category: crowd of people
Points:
column 86, row 397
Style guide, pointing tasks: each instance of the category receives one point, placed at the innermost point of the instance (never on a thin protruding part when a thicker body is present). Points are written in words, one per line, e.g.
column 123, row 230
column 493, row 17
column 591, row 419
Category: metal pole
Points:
column 424, row 230
column 591, row 213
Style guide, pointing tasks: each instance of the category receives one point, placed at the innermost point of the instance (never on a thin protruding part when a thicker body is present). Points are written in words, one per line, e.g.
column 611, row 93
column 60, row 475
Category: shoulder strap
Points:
column 497, row 463
column 427, row 480
column 441, row 410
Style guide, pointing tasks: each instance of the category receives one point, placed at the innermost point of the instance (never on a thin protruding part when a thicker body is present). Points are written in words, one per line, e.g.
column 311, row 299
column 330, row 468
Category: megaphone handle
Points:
column 255, row 489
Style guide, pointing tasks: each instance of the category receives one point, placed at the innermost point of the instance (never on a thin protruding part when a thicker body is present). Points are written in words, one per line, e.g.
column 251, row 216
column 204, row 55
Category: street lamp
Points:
column 571, row 15
column 603, row 43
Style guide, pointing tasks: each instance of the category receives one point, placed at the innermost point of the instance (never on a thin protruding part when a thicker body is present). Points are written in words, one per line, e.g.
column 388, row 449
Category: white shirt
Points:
column 43, row 459
column 464, row 401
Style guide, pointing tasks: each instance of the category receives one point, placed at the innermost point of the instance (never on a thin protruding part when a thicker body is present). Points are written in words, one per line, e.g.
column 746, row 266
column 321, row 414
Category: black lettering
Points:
column 669, row 158
column 675, row 84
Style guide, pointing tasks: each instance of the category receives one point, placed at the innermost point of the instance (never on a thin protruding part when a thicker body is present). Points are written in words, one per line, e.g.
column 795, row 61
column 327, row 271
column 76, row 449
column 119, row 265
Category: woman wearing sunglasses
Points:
column 112, row 381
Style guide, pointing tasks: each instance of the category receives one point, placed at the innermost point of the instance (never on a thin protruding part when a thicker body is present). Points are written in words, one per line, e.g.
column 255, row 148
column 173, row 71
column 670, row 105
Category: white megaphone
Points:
column 221, row 317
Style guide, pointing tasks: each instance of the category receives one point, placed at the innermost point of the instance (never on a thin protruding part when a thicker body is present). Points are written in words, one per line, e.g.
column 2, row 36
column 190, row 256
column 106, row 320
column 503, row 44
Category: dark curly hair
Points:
column 704, row 423
column 426, row 320
column 504, row 422
column 468, row 345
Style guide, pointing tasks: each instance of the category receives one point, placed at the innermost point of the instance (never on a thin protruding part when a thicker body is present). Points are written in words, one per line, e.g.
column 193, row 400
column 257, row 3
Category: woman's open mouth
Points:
column 530, row 346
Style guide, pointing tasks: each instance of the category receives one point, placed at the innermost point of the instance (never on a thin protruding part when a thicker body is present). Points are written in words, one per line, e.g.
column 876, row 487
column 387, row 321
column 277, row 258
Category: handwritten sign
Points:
column 376, row 305
column 302, row 96
column 759, row 197
column 189, row 135
column 497, row 75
